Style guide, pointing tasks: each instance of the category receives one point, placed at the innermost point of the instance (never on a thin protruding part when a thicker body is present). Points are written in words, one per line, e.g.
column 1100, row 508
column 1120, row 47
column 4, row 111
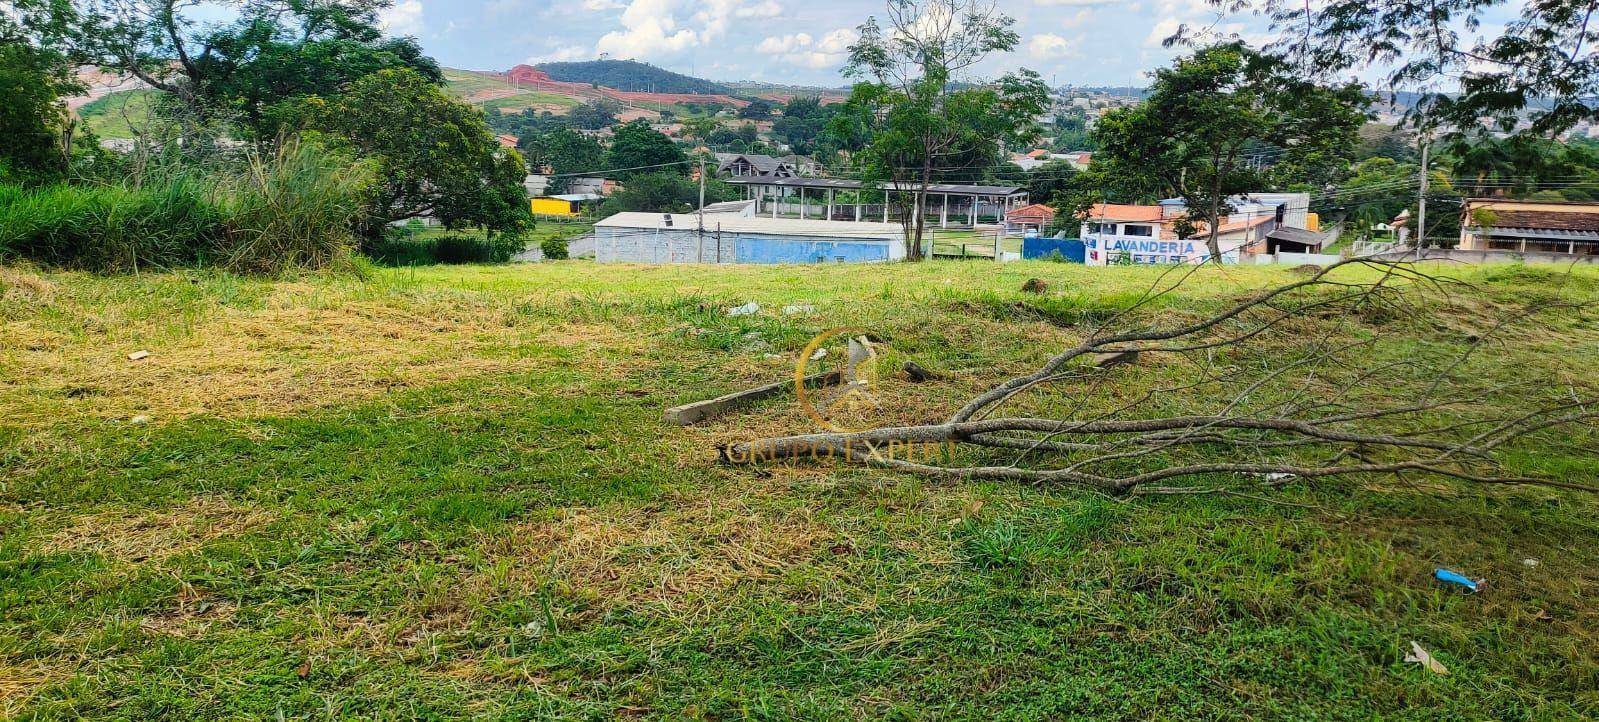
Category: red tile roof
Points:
column 1542, row 220
column 1034, row 212
column 1118, row 212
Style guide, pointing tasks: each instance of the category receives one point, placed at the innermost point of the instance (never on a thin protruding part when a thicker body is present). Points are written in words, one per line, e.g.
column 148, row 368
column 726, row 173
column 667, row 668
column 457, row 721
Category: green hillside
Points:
column 489, row 92
column 631, row 75
column 118, row 114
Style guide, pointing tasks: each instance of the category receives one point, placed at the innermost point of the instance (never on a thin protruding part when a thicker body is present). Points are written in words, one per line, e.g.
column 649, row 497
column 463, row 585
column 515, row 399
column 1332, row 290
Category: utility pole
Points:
column 702, row 186
column 1421, row 207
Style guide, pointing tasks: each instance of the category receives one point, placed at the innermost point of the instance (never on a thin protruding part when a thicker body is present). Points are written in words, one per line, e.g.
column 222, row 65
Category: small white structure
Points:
column 731, row 238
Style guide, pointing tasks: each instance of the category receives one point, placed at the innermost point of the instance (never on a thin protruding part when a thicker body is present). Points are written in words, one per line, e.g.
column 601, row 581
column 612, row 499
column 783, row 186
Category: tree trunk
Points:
column 921, row 202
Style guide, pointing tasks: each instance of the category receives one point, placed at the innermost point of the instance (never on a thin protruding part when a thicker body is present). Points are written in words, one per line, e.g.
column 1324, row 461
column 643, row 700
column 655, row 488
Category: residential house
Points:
column 506, row 141
column 739, row 165
column 1031, row 217
column 1530, row 226
column 802, row 164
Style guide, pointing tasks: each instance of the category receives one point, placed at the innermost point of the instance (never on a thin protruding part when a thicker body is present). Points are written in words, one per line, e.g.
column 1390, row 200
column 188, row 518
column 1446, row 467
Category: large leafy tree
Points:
column 637, row 149
column 1223, row 122
column 926, row 123
column 273, row 53
column 1542, row 68
column 262, row 64
column 562, row 152
column 34, row 75
column 436, row 155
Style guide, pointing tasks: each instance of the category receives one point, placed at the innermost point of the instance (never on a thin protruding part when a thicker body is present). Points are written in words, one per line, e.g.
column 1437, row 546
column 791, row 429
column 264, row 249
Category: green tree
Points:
column 594, row 114
column 1542, row 68
column 664, row 193
column 561, row 152
column 925, row 123
column 436, row 155
column 260, row 66
column 1212, row 127
column 699, row 128
column 276, row 52
column 34, row 75
column 804, row 125
column 642, row 150
column 758, row 109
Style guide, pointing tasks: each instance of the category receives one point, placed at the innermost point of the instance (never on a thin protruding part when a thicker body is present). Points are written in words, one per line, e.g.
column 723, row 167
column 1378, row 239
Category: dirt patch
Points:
column 155, row 536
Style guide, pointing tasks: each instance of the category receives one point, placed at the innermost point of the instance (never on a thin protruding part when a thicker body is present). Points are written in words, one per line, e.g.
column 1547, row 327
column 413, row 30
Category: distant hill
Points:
column 631, row 75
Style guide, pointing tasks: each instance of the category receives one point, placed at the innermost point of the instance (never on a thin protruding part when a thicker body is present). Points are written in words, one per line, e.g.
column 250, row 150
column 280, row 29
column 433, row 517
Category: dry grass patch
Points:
column 281, row 359
column 18, row 683
column 135, row 537
column 656, row 554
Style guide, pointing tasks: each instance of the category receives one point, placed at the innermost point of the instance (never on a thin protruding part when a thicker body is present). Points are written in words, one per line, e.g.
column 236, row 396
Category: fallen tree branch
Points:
column 1287, row 378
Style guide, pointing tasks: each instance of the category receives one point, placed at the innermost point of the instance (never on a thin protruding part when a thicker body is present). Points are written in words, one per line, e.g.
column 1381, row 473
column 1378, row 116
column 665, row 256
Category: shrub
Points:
column 554, row 248
column 111, row 228
column 402, row 248
column 295, row 208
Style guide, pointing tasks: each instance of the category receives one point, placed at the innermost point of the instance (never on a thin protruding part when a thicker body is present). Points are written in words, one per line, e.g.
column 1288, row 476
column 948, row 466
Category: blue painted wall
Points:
column 1071, row 249
column 752, row 248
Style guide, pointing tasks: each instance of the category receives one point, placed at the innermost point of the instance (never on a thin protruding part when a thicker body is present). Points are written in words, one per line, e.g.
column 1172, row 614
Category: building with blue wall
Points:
column 726, row 238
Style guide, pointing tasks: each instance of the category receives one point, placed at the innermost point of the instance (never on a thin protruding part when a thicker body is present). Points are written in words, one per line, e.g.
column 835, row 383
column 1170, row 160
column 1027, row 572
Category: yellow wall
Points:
column 1313, row 220
column 552, row 207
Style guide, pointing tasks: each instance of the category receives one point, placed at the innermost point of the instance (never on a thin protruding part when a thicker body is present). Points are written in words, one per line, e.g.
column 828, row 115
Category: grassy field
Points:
column 446, row 492
column 118, row 115
column 464, row 84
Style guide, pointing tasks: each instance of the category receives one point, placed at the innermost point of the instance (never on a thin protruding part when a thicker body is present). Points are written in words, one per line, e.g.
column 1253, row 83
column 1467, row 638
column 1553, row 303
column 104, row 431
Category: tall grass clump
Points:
column 294, row 207
column 111, row 228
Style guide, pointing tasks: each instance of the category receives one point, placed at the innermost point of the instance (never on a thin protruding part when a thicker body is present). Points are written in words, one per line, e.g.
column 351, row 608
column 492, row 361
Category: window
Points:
column 1132, row 230
column 1096, row 228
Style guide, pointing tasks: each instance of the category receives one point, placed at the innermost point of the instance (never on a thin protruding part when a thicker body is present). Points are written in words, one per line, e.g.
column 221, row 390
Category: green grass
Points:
column 445, row 492
column 522, row 101
column 120, row 114
column 463, row 84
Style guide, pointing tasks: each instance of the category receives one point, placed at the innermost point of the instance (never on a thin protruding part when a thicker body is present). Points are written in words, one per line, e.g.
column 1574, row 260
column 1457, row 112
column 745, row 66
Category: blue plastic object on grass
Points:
column 1449, row 577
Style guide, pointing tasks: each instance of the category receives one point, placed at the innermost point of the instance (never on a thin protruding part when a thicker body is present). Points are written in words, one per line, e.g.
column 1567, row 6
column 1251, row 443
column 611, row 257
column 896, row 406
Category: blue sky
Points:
column 1085, row 42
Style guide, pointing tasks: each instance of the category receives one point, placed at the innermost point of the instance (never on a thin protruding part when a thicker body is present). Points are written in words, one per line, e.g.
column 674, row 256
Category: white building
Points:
column 733, row 238
column 1114, row 233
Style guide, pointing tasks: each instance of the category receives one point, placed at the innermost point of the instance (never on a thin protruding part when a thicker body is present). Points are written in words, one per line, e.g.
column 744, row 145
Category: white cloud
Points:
column 804, row 50
column 1072, row 3
column 560, row 53
column 1162, row 30
column 602, row 5
column 402, row 18
column 649, row 29
column 661, row 29
column 784, row 44
column 1077, row 19
column 1048, row 46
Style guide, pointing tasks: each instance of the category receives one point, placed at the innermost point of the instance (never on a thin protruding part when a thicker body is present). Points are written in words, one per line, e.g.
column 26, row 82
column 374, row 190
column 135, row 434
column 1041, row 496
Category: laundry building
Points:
column 1118, row 233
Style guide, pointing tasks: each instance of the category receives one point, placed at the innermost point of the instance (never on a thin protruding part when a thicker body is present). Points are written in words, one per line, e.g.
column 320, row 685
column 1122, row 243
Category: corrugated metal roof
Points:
column 839, row 183
column 772, row 226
